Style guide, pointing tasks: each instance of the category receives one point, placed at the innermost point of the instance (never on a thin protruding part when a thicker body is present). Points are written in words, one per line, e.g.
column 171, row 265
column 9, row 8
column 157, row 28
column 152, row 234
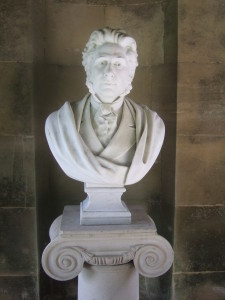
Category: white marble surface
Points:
column 125, row 160
column 105, row 245
column 140, row 222
column 106, row 138
column 103, row 205
column 119, row 282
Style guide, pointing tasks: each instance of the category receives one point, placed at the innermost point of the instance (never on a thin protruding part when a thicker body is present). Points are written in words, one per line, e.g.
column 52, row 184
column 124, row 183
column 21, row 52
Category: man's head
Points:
column 110, row 60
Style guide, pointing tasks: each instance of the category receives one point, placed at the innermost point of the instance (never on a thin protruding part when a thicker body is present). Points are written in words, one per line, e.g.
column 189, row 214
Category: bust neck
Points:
column 115, row 106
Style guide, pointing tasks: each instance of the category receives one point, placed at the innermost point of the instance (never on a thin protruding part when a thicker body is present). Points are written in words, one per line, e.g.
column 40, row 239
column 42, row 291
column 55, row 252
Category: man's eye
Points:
column 118, row 64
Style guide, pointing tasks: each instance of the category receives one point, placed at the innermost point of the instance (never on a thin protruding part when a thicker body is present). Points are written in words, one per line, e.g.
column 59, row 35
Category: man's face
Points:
column 109, row 72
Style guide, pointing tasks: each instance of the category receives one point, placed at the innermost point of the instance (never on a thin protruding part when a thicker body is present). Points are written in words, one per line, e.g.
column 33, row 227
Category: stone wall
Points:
column 40, row 62
column 18, row 246
column 65, row 27
column 199, row 271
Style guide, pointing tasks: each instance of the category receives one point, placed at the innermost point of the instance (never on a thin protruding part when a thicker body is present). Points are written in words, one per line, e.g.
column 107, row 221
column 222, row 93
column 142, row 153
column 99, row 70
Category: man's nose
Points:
column 108, row 72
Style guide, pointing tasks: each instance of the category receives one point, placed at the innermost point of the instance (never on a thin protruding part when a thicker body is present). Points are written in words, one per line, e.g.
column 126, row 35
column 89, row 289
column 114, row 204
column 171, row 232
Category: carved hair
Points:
column 115, row 36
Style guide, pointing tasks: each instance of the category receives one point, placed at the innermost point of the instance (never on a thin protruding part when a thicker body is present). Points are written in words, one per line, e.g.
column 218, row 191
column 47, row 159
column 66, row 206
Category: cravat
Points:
column 105, row 123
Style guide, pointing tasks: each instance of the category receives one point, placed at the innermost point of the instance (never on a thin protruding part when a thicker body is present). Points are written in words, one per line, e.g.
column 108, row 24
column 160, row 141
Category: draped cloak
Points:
column 139, row 138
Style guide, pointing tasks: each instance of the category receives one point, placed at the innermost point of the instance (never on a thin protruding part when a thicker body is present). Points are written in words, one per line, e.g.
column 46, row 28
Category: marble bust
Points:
column 106, row 138
column 107, row 141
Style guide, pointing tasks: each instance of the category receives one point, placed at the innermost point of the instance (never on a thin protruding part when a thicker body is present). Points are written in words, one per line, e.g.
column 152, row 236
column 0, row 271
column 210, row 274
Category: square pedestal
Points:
column 103, row 206
column 141, row 224
column 105, row 217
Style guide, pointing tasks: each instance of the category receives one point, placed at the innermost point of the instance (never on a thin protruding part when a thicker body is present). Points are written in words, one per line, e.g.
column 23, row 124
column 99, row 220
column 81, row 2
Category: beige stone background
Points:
column 181, row 75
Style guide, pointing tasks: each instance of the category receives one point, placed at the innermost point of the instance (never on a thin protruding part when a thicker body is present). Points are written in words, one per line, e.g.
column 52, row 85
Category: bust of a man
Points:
column 106, row 138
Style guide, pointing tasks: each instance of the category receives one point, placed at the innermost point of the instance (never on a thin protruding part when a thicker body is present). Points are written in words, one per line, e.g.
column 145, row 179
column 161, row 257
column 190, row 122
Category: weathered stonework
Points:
column 18, row 254
column 16, row 97
column 18, row 246
column 202, row 286
column 196, row 244
column 64, row 41
column 16, row 33
column 201, row 31
column 14, row 287
column 201, row 170
column 199, row 218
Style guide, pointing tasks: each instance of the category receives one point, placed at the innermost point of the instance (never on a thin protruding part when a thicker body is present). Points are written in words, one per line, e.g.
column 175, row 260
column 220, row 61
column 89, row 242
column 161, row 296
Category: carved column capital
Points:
column 71, row 247
column 155, row 258
column 62, row 261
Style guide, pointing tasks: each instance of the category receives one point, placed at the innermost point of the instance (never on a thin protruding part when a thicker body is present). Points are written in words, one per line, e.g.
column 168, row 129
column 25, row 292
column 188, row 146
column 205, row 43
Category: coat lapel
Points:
column 87, row 132
column 124, row 139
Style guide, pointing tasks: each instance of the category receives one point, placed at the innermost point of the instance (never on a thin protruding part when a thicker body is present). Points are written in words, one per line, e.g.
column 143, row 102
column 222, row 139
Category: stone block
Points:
column 16, row 31
column 204, row 117
column 67, row 30
column 201, row 286
column 200, row 170
column 163, row 100
column 57, row 290
column 201, row 95
column 38, row 19
column 199, row 239
column 202, row 78
column 158, row 288
column 71, row 1
column 16, row 99
column 201, row 35
column 55, row 85
column 64, row 290
column 22, row 287
column 12, row 184
column 17, row 242
column 141, row 86
column 168, row 154
column 164, row 88
column 17, row 186
column 145, row 23
column 170, row 34
column 29, row 170
column 120, row 2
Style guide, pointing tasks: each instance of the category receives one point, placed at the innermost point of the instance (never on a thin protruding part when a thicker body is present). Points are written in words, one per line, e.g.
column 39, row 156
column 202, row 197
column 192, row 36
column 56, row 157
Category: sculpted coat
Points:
column 125, row 160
